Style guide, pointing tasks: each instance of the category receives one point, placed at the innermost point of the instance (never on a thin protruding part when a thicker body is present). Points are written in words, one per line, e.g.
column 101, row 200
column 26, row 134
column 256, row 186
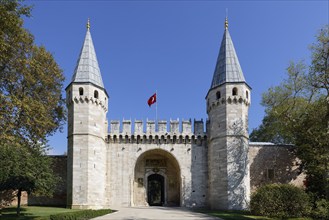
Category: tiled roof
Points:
column 87, row 69
column 228, row 68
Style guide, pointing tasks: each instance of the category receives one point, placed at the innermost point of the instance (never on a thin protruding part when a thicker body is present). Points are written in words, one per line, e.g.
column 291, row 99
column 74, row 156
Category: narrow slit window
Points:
column 270, row 174
column 96, row 94
column 218, row 95
column 247, row 94
column 80, row 91
column 235, row 91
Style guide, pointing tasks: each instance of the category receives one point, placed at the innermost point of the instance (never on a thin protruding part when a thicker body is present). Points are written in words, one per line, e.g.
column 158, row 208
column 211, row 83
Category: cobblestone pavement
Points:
column 152, row 213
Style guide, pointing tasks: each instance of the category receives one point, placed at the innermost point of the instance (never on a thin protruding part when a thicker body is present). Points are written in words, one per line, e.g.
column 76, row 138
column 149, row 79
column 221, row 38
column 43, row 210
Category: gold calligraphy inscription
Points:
column 155, row 163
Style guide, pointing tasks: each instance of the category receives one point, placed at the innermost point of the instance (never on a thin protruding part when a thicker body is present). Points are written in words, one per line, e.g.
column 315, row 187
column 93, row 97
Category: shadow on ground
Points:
column 9, row 213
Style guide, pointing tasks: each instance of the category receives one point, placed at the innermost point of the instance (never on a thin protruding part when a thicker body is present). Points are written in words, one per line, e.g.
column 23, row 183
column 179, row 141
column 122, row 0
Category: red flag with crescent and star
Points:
column 152, row 99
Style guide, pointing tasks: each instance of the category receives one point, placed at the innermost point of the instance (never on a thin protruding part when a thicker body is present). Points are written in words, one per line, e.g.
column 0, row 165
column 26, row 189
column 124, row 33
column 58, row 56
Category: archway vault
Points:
column 162, row 163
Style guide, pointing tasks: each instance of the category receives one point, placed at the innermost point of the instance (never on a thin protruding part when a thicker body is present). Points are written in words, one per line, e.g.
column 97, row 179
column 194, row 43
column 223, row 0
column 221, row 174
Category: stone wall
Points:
column 184, row 150
column 271, row 163
column 9, row 198
column 268, row 163
column 185, row 169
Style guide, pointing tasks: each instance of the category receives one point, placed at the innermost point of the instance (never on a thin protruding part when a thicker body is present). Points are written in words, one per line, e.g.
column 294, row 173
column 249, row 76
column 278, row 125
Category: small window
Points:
column 80, row 91
column 247, row 94
column 96, row 94
column 270, row 174
column 218, row 96
column 235, row 91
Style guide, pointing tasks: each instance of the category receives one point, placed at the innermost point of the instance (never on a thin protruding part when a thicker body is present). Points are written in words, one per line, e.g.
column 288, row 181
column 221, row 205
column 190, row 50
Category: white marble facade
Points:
column 192, row 164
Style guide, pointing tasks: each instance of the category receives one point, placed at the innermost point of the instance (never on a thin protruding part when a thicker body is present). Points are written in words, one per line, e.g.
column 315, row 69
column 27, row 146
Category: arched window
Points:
column 80, row 91
column 187, row 139
column 174, row 139
column 235, row 91
column 138, row 139
column 218, row 96
column 247, row 94
column 96, row 94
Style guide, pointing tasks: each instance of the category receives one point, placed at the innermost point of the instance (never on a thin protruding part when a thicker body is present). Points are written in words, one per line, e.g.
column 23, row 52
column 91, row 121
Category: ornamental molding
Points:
column 235, row 100
column 87, row 100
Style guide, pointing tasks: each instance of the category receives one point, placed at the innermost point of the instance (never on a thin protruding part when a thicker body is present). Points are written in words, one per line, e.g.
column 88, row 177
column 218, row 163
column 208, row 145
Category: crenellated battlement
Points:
column 163, row 132
column 173, row 127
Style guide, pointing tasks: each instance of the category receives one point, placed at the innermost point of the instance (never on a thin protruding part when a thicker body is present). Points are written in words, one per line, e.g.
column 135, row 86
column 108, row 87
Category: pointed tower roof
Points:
column 87, row 69
column 228, row 68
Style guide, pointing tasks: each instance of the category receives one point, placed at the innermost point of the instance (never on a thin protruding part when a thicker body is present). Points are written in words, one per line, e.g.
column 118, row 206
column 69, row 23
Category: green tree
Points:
column 31, row 106
column 27, row 169
column 297, row 112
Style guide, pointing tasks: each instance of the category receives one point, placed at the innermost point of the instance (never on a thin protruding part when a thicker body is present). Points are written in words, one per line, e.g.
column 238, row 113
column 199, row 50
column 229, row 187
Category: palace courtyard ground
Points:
column 151, row 213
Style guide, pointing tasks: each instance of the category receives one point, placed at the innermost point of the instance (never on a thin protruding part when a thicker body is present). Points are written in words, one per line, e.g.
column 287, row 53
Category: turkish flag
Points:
column 152, row 99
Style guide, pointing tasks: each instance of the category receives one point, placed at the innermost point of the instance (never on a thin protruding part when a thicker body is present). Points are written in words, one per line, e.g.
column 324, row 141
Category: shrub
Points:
column 80, row 215
column 321, row 209
column 280, row 200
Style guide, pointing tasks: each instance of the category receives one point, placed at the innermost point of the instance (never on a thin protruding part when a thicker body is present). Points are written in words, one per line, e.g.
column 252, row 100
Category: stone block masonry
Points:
column 184, row 154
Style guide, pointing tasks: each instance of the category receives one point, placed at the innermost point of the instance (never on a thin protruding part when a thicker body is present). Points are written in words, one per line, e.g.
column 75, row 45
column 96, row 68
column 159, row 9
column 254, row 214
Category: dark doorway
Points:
column 155, row 190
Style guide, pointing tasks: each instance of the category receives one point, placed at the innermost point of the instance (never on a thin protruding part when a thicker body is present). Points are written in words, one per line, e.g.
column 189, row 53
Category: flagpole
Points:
column 156, row 109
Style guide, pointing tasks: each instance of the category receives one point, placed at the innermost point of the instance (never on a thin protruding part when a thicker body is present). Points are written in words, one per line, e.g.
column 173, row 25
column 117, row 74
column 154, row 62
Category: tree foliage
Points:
column 280, row 200
column 297, row 112
column 31, row 106
column 30, row 85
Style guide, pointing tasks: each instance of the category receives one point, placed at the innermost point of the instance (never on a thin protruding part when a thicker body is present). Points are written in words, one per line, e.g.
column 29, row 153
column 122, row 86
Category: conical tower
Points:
column 87, row 103
column 228, row 101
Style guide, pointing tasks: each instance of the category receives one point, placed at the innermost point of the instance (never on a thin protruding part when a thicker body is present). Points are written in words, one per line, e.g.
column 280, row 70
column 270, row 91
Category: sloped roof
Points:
column 228, row 68
column 87, row 69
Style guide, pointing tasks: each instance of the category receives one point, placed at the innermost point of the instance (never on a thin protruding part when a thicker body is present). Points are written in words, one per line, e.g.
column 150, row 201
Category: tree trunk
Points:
column 18, row 210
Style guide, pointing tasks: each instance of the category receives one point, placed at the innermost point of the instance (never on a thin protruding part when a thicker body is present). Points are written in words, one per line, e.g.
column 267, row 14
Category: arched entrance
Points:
column 155, row 190
column 157, row 179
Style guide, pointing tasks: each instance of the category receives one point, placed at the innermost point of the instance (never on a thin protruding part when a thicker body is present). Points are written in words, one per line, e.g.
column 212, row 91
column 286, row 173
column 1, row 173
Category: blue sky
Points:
column 172, row 47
